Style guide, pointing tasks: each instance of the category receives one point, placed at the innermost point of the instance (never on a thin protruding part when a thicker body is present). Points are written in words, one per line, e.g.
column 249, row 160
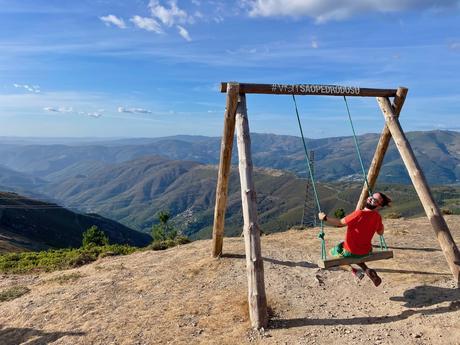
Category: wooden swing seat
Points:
column 341, row 261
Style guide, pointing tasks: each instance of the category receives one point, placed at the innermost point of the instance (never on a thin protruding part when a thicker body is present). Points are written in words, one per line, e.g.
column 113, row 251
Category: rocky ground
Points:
column 182, row 296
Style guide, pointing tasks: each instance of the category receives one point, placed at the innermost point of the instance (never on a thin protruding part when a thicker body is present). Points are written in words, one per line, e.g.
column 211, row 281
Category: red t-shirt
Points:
column 361, row 227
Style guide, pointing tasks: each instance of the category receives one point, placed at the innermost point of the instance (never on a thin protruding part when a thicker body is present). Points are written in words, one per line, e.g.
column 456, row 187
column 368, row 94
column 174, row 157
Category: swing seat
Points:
column 341, row 261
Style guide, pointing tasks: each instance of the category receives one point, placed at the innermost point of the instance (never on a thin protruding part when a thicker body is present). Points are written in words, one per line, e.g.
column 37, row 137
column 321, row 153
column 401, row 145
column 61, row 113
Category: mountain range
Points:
column 335, row 158
column 27, row 224
column 134, row 192
column 127, row 181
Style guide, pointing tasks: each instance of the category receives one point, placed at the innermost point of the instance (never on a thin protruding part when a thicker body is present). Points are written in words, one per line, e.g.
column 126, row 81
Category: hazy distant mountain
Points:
column 126, row 180
column 17, row 180
column 335, row 158
column 134, row 192
column 32, row 224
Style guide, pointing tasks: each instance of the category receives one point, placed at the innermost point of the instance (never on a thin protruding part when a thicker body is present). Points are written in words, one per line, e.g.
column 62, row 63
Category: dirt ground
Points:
column 182, row 296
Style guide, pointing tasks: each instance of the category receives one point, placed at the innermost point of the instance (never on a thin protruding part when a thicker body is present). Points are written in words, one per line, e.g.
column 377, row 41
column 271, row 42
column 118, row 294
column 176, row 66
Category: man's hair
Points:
column 386, row 200
column 374, row 200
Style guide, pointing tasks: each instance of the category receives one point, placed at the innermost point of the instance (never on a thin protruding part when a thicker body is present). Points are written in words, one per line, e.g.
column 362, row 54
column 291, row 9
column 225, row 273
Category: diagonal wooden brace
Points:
column 446, row 242
column 381, row 149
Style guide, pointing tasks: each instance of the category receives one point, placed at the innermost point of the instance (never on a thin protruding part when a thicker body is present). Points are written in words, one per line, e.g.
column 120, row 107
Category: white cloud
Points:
column 113, row 20
column 30, row 88
column 455, row 46
column 184, row 33
column 148, row 24
column 94, row 114
column 168, row 16
column 134, row 110
column 59, row 110
column 51, row 109
column 325, row 10
column 314, row 44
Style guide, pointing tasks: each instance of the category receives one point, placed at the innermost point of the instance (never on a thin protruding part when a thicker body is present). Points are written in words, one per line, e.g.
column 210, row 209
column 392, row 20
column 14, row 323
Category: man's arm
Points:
column 331, row 220
column 381, row 231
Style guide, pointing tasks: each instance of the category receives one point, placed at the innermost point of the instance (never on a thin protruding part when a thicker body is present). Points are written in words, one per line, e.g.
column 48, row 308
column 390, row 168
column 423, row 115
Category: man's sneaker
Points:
column 373, row 276
column 359, row 274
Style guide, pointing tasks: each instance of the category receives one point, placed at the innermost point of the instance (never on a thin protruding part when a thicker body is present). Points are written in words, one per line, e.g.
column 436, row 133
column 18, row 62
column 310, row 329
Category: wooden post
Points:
column 254, row 262
column 224, row 169
column 432, row 211
column 381, row 149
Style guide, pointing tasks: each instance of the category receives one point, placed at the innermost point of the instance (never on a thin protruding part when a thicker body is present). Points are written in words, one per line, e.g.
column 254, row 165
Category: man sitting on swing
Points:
column 361, row 227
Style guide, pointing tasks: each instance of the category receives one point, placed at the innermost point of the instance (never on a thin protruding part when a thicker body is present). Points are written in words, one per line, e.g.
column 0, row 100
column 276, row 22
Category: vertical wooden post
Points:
column 224, row 169
column 254, row 262
column 432, row 211
column 381, row 149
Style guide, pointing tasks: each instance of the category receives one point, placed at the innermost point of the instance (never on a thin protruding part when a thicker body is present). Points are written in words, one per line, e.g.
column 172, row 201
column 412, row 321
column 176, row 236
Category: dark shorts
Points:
column 338, row 250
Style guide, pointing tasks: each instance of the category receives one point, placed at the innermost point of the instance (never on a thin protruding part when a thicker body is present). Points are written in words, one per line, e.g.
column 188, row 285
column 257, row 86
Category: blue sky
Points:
column 152, row 68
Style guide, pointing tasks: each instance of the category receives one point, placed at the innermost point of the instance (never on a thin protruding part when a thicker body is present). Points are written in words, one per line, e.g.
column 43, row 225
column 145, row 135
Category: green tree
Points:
column 93, row 236
column 164, row 230
column 339, row 213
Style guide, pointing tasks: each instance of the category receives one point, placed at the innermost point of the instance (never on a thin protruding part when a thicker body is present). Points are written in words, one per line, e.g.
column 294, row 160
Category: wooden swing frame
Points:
column 236, row 116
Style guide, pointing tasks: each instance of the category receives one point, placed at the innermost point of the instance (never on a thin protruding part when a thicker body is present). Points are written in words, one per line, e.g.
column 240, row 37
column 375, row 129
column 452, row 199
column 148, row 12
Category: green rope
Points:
column 357, row 147
column 310, row 170
column 383, row 245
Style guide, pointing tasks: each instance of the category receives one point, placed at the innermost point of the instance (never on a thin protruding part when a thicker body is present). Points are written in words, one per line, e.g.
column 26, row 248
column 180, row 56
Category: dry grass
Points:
column 182, row 296
column 13, row 293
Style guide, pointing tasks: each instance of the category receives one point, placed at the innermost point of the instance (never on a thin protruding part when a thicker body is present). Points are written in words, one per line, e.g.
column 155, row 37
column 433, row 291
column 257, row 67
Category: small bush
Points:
column 446, row 211
column 393, row 215
column 13, row 293
column 166, row 235
column 65, row 278
column 169, row 243
column 182, row 240
column 339, row 213
column 59, row 259
column 93, row 236
column 163, row 230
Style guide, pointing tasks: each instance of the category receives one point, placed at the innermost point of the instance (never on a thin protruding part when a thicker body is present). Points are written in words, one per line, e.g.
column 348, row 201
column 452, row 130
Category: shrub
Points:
column 446, row 211
column 93, row 236
column 163, row 230
column 339, row 213
column 13, row 293
column 181, row 239
column 166, row 235
column 66, row 278
column 393, row 215
column 168, row 243
column 59, row 259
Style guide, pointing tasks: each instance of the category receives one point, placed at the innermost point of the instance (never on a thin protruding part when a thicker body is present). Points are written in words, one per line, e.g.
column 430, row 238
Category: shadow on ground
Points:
column 10, row 336
column 421, row 249
column 426, row 295
column 305, row 264
column 418, row 297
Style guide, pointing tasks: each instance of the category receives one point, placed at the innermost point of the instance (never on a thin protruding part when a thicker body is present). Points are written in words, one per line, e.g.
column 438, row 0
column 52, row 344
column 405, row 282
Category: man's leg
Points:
column 372, row 274
column 359, row 274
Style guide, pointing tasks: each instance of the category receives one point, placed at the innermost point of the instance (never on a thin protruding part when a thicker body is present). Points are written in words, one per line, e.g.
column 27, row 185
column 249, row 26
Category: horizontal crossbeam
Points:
column 310, row 89
column 341, row 261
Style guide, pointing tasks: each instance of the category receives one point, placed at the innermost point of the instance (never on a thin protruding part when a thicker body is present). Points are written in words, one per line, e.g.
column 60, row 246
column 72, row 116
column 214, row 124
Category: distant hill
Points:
column 335, row 158
column 17, row 180
column 134, row 192
column 31, row 224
